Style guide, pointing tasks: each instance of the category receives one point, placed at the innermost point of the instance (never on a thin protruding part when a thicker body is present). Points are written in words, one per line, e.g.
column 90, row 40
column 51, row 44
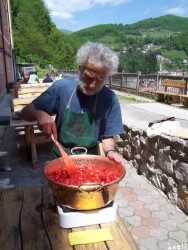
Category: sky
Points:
column 74, row 15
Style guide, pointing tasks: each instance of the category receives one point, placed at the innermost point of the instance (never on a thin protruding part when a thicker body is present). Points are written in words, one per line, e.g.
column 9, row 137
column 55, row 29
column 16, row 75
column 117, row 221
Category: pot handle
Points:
column 90, row 186
column 82, row 149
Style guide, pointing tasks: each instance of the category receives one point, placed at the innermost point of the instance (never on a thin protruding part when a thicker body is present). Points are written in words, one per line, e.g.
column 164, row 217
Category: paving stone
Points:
column 122, row 215
column 131, row 183
column 149, row 243
column 134, row 220
column 142, row 248
column 118, row 196
column 127, row 224
column 130, row 197
column 122, row 203
column 180, row 236
column 143, row 212
column 159, row 233
column 169, row 244
column 141, row 231
column 169, row 224
column 151, row 222
column 143, row 182
column 152, row 206
column 136, row 204
column 161, row 200
column 155, row 194
column 183, row 226
column 169, row 207
column 127, row 175
column 149, row 187
column 128, row 211
column 122, row 184
column 145, row 198
column 139, row 180
column 128, row 166
column 161, row 215
column 180, row 218
column 140, row 191
column 125, row 190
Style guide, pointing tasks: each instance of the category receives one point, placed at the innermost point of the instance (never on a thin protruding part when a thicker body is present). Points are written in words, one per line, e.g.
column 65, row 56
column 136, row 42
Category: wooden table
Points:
column 28, row 220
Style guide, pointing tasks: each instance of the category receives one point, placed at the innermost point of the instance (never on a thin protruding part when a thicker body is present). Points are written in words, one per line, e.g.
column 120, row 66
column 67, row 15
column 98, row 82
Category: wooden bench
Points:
column 28, row 133
column 172, row 88
column 39, row 137
column 184, row 100
column 29, row 220
column 28, row 137
column 29, row 90
column 17, row 104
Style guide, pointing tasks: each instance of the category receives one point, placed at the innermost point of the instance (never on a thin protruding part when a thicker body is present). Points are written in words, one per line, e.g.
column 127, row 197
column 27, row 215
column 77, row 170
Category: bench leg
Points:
column 176, row 99
column 33, row 148
column 185, row 102
column 160, row 97
column 30, row 144
column 27, row 138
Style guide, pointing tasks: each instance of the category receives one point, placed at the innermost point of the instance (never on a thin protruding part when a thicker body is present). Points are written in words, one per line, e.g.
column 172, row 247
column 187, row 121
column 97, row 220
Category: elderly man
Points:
column 87, row 112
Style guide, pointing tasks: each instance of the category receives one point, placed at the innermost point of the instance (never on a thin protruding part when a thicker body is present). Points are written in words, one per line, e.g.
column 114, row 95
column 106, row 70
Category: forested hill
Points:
column 170, row 23
column 37, row 39
column 141, row 43
column 149, row 30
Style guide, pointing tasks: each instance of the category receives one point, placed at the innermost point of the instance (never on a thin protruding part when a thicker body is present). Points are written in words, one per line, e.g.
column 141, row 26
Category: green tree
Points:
column 37, row 39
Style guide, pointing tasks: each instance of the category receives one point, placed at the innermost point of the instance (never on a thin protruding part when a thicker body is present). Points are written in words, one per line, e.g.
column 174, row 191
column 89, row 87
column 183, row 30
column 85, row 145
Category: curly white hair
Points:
column 98, row 54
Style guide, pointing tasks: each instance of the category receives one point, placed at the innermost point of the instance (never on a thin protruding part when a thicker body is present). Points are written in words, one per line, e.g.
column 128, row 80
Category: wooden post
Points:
column 121, row 81
column 138, row 81
column 110, row 82
column 185, row 89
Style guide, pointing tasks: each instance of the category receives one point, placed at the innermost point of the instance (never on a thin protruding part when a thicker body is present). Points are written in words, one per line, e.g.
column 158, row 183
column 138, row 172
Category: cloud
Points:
column 176, row 11
column 68, row 5
column 111, row 2
column 64, row 9
column 63, row 15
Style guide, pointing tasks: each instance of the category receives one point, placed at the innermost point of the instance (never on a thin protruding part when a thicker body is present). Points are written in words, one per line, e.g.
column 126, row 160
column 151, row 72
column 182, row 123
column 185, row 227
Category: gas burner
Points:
column 69, row 218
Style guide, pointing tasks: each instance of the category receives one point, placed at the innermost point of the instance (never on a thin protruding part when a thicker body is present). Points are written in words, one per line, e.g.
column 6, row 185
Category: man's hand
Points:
column 116, row 157
column 44, row 121
column 109, row 149
column 46, row 124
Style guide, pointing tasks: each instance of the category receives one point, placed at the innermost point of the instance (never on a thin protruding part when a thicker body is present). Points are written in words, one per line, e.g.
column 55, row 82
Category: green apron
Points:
column 77, row 130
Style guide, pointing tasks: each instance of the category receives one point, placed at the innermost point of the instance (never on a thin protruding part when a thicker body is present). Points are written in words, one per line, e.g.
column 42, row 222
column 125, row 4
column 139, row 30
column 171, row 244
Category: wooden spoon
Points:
column 69, row 164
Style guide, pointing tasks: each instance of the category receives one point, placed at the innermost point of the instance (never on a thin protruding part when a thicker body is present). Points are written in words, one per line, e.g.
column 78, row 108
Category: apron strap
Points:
column 95, row 105
column 68, row 104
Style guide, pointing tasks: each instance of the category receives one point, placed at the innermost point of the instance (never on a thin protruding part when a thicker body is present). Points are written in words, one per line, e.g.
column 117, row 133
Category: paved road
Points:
column 139, row 115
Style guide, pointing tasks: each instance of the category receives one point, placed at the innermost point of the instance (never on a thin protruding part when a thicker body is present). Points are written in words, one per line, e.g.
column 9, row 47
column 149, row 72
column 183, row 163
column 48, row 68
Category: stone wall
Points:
column 162, row 159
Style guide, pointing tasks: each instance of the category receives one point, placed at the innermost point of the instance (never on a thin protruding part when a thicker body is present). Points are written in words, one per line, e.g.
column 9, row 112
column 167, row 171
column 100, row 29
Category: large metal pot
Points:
column 89, row 195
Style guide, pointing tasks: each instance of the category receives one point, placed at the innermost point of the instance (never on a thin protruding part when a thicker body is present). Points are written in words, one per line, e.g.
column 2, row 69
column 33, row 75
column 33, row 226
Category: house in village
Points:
column 8, row 73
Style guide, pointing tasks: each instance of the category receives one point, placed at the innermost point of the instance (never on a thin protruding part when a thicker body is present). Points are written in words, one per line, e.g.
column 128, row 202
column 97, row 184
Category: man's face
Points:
column 92, row 78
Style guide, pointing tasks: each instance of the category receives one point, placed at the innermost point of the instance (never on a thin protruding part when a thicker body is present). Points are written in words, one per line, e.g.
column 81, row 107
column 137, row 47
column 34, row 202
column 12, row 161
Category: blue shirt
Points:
column 108, row 119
